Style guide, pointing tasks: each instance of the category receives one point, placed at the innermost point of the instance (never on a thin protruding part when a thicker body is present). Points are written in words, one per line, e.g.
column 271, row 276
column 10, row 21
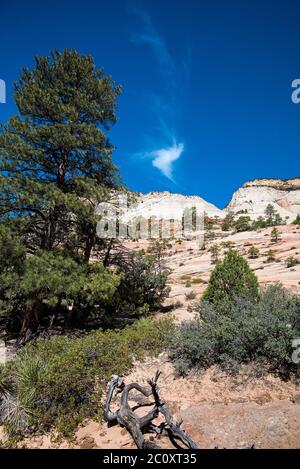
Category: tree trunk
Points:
column 30, row 323
column 89, row 244
column 107, row 254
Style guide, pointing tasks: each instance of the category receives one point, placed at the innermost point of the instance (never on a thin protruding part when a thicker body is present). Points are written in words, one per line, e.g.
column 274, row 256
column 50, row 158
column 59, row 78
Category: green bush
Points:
column 297, row 220
column 292, row 262
column 271, row 255
column 274, row 235
column 249, row 331
column 272, row 218
column 230, row 278
column 225, row 226
column 143, row 285
column 58, row 382
column 215, row 251
column 243, row 223
column 253, row 252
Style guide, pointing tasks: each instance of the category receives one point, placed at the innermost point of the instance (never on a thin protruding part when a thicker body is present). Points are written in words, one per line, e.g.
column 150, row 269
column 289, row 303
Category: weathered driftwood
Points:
column 138, row 426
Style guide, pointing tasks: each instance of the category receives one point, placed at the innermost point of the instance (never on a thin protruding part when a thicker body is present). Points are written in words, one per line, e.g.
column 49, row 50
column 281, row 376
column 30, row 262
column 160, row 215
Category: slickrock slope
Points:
column 167, row 206
column 252, row 198
column 255, row 195
column 189, row 263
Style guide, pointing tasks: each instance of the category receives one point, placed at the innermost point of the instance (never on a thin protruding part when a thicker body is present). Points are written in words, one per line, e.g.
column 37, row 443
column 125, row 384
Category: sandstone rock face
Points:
column 252, row 198
column 255, row 195
column 167, row 206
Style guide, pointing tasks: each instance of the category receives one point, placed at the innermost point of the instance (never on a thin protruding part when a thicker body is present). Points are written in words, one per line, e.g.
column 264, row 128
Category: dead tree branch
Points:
column 138, row 426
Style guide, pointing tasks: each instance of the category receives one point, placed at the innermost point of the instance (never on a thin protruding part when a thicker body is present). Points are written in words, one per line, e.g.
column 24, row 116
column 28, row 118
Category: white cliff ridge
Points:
column 167, row 206
column 255, row 195
column 251, row 199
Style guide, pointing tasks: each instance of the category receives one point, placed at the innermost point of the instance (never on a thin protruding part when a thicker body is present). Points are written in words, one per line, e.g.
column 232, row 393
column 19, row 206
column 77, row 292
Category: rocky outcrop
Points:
column 279, row 184
column 255, row 195
column 167, row 206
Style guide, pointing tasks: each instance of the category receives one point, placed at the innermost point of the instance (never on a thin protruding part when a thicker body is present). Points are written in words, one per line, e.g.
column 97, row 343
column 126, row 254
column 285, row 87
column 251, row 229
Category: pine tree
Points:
column 297, row 220
column 215, row 252
column 55, row 157
column 270, row 214
column 56, row 165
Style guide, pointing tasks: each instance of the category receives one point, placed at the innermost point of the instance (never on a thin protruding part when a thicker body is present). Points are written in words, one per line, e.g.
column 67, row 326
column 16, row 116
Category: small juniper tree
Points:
column 274, row 235
column 297, row 220
column 271, row 255
column 243, row 224
column 292, row 262
column 270, row 214
column 225, row 226
column 231, row 278
column 215, row 252
column 253, row 252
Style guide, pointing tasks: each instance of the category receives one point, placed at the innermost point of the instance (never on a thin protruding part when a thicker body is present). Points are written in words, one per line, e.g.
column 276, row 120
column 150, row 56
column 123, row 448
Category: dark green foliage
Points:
column 248, row 331
column 243, row 224
column 55, row 158
column 259, row 223
column 225, row 226
column 272, row 216
column 215, row 252
column 12, row 257
column 230, row 278
column 58, row 382
column 49, row 282
column 12, row 251
column 143, row 284
column 229, row 219
column 297, row 220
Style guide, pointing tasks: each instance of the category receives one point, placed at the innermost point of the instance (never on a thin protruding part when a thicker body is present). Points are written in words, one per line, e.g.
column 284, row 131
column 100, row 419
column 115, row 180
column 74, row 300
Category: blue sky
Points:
column 206, row 101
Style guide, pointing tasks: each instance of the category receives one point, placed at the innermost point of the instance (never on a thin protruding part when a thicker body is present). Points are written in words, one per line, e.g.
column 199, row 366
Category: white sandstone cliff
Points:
column 251, row 199
column 167, row 206
column 255, row 195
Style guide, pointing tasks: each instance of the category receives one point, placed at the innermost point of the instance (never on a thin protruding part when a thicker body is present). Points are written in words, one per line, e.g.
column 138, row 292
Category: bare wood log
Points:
column 138, row 426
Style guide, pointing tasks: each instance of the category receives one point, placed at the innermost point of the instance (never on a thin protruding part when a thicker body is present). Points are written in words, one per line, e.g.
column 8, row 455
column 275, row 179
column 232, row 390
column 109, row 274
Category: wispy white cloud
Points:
column 165, row 106
column 163, row 158
column 150, row 37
